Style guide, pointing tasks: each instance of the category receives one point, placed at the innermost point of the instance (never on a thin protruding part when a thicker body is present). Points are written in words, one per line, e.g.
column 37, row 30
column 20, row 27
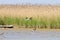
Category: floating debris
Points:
column 6, row 26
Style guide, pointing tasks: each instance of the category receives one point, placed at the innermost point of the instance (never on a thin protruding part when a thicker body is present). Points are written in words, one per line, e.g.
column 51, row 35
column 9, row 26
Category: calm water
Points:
column 29, row 35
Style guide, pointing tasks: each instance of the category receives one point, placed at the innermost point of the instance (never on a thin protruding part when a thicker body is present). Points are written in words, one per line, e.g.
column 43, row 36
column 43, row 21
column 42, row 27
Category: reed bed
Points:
column 43, row 17
column 43, row 23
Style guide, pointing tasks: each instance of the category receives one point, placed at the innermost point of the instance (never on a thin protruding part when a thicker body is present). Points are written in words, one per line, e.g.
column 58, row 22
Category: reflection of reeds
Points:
column 53, row 23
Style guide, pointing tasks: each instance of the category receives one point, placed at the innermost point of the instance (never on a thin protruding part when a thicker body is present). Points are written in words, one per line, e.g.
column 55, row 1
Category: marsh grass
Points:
column 53, row 23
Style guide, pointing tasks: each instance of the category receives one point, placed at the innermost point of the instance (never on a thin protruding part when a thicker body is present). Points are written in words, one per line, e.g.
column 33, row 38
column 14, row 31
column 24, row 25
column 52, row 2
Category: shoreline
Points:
column 28, row 29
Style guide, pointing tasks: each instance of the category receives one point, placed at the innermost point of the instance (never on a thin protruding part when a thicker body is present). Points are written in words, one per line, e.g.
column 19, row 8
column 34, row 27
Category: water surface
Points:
column 29, row 35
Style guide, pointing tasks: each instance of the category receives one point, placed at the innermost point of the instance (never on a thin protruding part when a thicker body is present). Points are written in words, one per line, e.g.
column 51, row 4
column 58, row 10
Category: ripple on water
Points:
column 30, row 35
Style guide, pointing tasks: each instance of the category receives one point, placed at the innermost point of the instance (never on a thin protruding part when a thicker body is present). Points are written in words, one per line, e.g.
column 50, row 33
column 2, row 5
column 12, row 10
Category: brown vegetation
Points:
column 30, row 11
